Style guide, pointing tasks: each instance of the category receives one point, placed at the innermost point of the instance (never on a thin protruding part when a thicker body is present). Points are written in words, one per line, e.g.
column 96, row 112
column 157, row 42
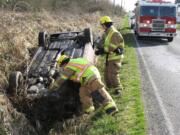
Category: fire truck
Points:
column 155, row 18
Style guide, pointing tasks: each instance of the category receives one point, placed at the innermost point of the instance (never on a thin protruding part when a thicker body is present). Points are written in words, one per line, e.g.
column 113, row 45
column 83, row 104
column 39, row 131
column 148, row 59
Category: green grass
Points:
column 178, row 26
column 130, row 119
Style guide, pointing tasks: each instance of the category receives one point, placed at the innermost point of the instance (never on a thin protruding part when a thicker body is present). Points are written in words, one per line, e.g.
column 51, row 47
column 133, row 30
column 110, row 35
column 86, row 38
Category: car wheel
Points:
column 132, row 26
column 170, row 39
column 139, row 37
column 88, row 35
column 43, row 39
column 15, row 82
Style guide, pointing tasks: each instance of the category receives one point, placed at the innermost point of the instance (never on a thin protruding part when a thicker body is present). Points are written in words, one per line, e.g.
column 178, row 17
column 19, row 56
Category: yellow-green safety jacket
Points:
column 81, row 70
column 113, row 40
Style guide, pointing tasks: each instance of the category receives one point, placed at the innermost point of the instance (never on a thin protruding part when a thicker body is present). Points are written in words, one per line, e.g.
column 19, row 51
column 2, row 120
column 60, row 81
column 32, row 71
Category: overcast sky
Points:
column 129, row 4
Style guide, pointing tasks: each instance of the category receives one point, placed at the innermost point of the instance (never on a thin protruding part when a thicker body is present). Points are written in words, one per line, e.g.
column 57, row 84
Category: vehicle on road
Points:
column 155, row 18
column 131, row 20
column 178, row 13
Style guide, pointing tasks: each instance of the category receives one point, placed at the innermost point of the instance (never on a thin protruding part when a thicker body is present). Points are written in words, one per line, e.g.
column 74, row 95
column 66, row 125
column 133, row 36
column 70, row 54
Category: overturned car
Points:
column 29, row 90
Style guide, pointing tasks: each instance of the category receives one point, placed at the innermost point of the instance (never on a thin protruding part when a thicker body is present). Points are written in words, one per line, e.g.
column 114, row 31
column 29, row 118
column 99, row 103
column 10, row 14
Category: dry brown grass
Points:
column 19, row 33
column 11, row 121
column 71, row 6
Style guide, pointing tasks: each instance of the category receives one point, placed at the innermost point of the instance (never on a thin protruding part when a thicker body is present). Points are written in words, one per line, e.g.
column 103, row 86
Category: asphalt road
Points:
column 159, row 63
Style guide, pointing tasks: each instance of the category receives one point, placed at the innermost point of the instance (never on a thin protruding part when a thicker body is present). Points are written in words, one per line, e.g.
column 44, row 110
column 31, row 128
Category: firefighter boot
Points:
column 111, row 108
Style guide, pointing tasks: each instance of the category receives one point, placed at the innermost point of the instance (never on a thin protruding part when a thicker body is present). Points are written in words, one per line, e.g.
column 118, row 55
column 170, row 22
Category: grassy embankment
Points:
column 130, row 120
column 178, row 26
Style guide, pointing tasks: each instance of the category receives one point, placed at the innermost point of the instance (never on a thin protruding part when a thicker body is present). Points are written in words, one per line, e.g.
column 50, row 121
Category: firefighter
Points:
column 82, row 71
column 112, row 44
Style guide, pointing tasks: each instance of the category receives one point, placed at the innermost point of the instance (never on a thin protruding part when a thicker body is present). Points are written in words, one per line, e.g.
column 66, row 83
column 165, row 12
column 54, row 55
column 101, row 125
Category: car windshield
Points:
column 162, row 11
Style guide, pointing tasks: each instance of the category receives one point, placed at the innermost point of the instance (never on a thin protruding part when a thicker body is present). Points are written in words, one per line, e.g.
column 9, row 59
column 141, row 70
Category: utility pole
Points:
column 121, row 3
column 124, row 4
column 121, row 6
column 114, row 6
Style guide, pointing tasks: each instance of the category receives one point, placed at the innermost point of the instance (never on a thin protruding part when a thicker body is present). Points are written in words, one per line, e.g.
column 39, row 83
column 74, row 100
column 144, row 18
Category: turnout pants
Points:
column 111, row 74
column 86, row 91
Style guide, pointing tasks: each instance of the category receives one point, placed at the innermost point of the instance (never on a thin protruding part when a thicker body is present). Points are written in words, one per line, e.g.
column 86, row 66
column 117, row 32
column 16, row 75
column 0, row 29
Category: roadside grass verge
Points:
column 130, row 120
column 178, row 26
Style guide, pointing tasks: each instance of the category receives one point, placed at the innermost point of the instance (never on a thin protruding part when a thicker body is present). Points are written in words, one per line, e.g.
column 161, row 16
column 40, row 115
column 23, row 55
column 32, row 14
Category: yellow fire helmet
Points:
column 61, row 59
column 105, row 19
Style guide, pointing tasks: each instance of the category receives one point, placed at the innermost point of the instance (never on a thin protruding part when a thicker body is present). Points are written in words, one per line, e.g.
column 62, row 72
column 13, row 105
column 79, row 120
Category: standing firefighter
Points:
column 112, row 45
column 80, row 70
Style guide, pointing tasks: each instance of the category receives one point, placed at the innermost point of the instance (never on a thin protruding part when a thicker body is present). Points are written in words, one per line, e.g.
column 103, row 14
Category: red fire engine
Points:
column 155, row 18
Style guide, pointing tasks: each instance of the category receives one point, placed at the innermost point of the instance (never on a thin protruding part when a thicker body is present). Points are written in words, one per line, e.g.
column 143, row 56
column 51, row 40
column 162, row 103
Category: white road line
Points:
column 156, row 91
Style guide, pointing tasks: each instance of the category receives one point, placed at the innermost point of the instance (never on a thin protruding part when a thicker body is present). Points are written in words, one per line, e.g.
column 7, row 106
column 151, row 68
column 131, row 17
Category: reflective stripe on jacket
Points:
column 110, row 46
column 83, row 70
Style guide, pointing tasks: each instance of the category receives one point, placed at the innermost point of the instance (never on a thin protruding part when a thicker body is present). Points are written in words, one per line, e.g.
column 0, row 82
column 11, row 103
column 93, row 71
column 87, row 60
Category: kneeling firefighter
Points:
column 82, row 71
column 111, row 44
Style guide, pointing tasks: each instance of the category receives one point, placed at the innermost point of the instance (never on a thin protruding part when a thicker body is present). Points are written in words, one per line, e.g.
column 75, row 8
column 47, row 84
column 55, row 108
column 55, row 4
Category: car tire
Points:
column 170, row 39
column 132, row 26
column 43, row 40
column 88, row 37
column 15, row 82
column 138, row 37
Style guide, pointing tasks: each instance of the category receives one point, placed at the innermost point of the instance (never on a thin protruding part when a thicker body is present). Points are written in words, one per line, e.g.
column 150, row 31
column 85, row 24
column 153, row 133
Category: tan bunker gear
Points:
column 80, row 70
column 113, row 48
